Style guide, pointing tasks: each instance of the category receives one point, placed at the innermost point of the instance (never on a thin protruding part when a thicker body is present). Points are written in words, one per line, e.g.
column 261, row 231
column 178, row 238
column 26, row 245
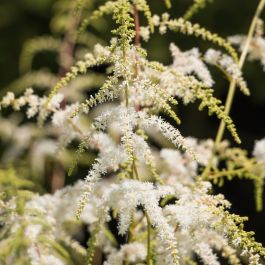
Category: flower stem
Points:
column 127, row 94
column 231, row 91
column 148, row 257
column 232, row 87
column 135, row 170
column 137, row 25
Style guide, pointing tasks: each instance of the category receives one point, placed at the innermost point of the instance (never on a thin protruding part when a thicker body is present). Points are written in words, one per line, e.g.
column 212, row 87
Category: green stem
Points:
column 135, row 170
column 166, row 199
column 127, row 83
column 234, row 171
column 231, row 91
column 127, row 94
column 148, row 257
column 168, row 4
column 130, row 236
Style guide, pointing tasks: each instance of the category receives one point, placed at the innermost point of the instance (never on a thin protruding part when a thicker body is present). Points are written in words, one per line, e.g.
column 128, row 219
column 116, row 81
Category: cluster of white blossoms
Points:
column 192, row 224
column 28, row 98
column 37, row 106
column 183, row 167
column 46, row 220
column 190, row 62
column 259, row 150
column 33, row 102
column 33, row 229
column 146, row 198
column 228, row 66
column 257, row 44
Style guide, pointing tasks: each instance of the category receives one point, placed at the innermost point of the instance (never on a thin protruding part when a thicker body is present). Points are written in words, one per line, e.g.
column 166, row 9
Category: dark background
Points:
column 23, row 19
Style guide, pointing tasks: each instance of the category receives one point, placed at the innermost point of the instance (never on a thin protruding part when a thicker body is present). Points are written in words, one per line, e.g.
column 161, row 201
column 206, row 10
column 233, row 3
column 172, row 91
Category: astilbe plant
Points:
column 159, row 197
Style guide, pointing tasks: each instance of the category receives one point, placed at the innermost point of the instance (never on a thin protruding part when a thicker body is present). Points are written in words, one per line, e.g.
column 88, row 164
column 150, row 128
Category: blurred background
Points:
column 24, row 19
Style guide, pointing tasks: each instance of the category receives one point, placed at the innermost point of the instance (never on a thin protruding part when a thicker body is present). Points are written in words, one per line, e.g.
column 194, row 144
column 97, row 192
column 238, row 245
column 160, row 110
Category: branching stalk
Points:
column 231, row 91
column 232, row 87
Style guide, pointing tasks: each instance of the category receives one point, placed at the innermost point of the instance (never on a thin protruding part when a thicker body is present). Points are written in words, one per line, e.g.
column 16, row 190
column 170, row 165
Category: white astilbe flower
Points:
column 120, row 114
column 55, row 101
column 162, row 24
column 196, row 213
column 8, row 99
column 190, row 213
column 147, row 93
column 254, row 259
column 185, row 222
column 174, row 87
column 45, row 205
column 156, row 20
column 121, row 70
column 32, row 231
column 144, row 154
column 256, row 50
column 136, row 193
column 101, row 51
column 37, row 105
column 98, row 169
column 60, row 207
column 180, row 168
column 32, row 101
column 219, row 243
column 38, row 259
column 189, row 62
column 193, row 214
column 60, row 117
column 259, row 150
column 106, row 145
column 19, row 138
column 126, row 120
column 126, row 127
column 129, row 194
column 142, row 149
column 44, row 219
column 39, row 152
column 133, row 252
column 203, row 150
column 169, row 131
column 18, row 103
column 68, row 198
column 184, row 65
column 62, row 120
column 50, row 259
column 40, row 227
column 145, row 33
column 194, row 208
column 206, row 254
column 110, row 157
column 228, row 66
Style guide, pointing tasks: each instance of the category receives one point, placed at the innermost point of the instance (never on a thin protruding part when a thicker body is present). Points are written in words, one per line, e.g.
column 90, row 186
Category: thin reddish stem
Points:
column 66, row 58
column 137, row 26
column 67, row 48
